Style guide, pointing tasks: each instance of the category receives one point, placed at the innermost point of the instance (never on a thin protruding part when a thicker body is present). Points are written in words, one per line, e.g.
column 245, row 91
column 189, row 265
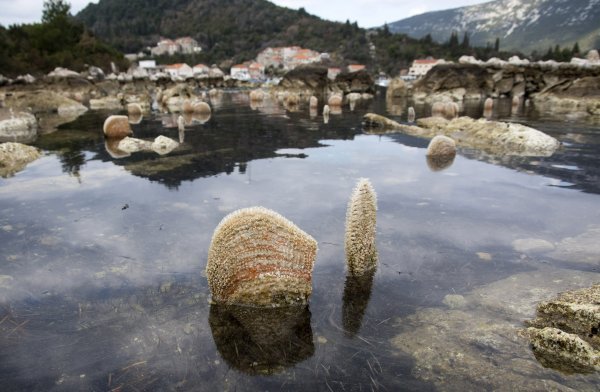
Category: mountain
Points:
column 226, row 29
column 524, row 25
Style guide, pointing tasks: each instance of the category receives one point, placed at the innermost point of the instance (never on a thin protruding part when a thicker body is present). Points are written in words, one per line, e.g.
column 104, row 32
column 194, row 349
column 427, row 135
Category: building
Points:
column 288, row 57
column 183, row 70
column 333, row 72
column 420, row 67
column 256, row 70
column 240, row 72
column 185, row 45
column 200, row 70
column 356, row 67
column 165, row 46
column 188, row 45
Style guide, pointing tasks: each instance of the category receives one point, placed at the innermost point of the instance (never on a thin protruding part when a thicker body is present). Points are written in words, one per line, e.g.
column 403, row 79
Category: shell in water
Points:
column 361, row 216
column 257, row 257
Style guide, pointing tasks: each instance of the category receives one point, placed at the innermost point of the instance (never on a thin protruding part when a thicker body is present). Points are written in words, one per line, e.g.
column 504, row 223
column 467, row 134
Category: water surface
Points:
column 102, row 283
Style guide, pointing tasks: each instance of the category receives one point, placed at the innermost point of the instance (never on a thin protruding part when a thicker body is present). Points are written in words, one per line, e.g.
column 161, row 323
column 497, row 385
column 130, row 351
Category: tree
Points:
column 497, row 45
column 466, row 44
column 453, row 41
column 576, row 49
column 54, row 10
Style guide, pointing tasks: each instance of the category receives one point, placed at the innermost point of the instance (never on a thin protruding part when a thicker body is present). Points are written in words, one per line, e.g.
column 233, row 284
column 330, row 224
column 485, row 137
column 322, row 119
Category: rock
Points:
column 488, row 104
column 43, row 101
column 25, row 79
column 15, row 156
column 532, row 245
column 201, row 108
column 117, row 127
column 335, row 101
column 469, row 60
column 353, row 97
column 257, row 257
column 96, row 73
column 450, row 110
column 63, row 73
column 134, row 109
column 583, row 248
column 163, row 145
column 17, row 127
column 106, row 103
column 396, row 89
column 454, row 301
column 257, row 95
column 593, row 56
column 437, row 109
column 563, row 351
column 307, row 78
column 441, row 145
column 348, row 82
column 565, row 333
column 493, row 136
column 477, row 345
column 313, row 102
column 411, row 114
column 131, row 145
column 361, row 217
column 440, row 153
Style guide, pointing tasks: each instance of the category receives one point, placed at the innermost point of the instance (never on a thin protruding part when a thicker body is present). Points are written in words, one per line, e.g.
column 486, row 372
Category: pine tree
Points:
column 497, row 45
column 466, row 44
column 575, row 49
column 55, row 9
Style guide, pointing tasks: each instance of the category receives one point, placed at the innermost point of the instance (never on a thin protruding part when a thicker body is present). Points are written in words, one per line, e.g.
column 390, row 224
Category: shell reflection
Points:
column 262, row 340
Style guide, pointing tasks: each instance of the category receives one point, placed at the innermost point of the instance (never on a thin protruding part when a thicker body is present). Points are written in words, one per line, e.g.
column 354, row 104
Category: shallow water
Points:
column 102, row 283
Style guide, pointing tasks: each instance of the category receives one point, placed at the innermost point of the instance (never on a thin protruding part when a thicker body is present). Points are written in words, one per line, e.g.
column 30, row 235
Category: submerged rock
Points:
column 565, row 333
column 532, row 245
column 361, row 217
column 15, row 156
column 131, row 145
column 257, row 257
column 583, row 248
column 475, row 344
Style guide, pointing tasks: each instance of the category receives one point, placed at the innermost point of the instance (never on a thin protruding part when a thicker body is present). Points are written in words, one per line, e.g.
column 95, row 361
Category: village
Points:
column 277, row 59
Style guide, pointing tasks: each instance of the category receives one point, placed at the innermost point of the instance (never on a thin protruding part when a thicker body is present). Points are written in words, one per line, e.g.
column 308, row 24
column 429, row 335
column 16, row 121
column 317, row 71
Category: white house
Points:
column 240, row 72
column 420, row 67
column 188, row 45
column 200, row 70
column 180, row 69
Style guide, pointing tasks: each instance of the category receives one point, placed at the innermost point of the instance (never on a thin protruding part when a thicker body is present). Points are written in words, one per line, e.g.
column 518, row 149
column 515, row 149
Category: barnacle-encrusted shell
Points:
column 361, row 216
column 257, row 257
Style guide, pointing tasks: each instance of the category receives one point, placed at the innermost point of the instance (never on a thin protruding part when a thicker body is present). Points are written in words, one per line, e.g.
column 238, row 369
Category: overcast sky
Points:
column 368, row 13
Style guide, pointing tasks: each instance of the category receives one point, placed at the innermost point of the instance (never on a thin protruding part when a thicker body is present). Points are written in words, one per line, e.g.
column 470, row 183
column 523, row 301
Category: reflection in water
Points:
column 135, row 118
column 262, row 340
column 357, row 292
column 112, row 148
column 440, row 162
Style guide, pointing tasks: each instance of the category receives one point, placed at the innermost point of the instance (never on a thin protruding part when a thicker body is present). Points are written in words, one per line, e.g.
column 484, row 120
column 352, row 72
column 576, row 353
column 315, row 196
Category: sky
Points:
column 368, row 13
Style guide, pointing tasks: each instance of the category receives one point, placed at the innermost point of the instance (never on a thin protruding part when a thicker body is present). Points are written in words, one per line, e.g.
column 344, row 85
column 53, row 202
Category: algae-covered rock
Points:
column 492, row 136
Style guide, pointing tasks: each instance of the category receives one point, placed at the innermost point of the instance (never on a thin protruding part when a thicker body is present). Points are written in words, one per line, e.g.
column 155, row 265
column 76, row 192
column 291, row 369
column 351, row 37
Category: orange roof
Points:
column 200, row 66
column 239, row 66
column 334, row 69
column 176, row 66
column 256, row 65
column 426, row 61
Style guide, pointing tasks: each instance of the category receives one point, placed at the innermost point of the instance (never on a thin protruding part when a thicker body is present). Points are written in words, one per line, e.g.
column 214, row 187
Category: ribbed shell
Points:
column 361, row 216
column 257, row 257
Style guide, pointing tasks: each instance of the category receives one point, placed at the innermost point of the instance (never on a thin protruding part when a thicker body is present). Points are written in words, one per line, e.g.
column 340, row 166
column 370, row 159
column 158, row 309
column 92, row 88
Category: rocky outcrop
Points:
column 50, row 108
column 491, row 136
column 15, row 156
column 309, row 78
column 565, row 333
column 496, row 79
column 354, row 82
column 17, row 127
column 396, row 89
